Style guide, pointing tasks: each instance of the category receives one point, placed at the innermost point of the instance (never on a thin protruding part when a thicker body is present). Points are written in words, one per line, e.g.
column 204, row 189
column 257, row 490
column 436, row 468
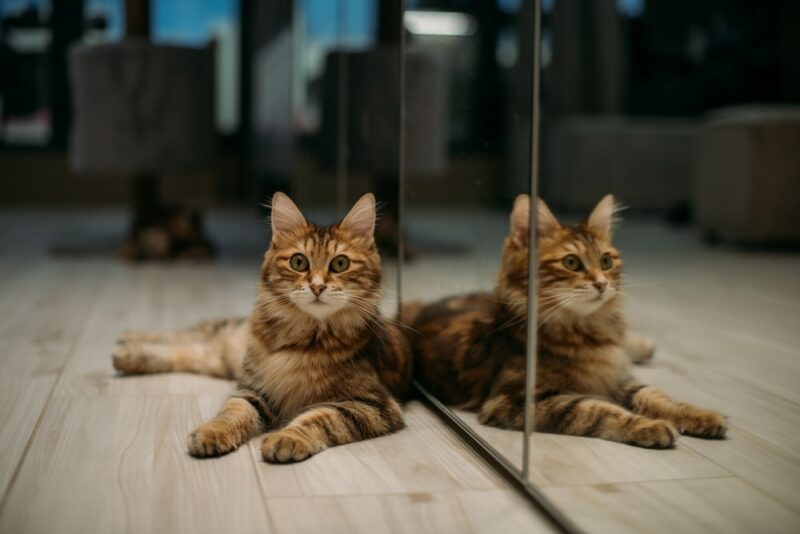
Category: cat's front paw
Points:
column 210, row 440
column 653, row 434
column 702, row 424
column 286, row 446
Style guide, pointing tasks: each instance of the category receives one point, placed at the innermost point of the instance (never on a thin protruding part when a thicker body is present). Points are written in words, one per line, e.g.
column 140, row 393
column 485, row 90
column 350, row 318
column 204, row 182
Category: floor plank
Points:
column 496, row 511
column 43, row 317
column 726, row 505
column 119, row 464
column 773, row 470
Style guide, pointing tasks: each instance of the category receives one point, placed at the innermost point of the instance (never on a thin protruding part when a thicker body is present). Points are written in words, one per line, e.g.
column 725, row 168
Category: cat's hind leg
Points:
column 581, row 415
column 505, row 405
column 242, row 417
column 131, row 358
column 690, row 420
column 214, row 348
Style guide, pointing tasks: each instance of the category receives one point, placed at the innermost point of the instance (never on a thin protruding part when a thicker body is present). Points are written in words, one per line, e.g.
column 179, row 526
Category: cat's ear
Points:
column 602, row 218
column 520, row 219
column 285, row 217
column 546, row 222
column 361, row 219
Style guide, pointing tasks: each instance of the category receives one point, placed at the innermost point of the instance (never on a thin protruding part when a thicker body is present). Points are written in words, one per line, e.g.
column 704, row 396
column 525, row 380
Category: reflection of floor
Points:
column 84, row 451
column 728, row 328
column 459, row 250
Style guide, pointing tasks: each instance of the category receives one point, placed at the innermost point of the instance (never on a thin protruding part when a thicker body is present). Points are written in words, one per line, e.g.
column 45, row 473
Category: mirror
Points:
column 678, row 109
column 468, row 157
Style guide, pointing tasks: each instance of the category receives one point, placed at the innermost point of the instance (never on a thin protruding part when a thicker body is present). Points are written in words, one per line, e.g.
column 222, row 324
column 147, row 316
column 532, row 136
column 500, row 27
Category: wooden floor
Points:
column 84, row 451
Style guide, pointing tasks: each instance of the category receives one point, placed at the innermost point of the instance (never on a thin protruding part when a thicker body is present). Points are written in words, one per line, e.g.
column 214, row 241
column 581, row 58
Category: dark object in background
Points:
column 747, row 175
column 647, row 160
column 679, row 215
column 171, row 232
column 625, row 90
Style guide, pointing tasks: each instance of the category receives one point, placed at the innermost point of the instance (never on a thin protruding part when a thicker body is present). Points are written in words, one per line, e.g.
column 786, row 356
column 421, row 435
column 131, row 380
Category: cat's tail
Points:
column 409, row 311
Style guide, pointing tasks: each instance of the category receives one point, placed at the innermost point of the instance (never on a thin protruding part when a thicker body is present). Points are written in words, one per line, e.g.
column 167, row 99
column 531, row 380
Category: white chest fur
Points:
column 602, row 372
column 292, row 380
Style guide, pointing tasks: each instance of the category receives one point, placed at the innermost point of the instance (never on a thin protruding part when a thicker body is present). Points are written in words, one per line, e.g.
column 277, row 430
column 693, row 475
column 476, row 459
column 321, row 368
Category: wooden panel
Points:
column 496, row 511
column 773, row 469
column 725, row 505
column 114, row 464
column 44, row 308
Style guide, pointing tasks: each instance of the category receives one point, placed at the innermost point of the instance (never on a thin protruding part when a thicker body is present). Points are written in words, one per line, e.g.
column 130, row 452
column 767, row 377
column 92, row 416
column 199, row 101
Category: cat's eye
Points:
column 339, row 264
column 299, row 263
column 572, row 262
column 606, row 261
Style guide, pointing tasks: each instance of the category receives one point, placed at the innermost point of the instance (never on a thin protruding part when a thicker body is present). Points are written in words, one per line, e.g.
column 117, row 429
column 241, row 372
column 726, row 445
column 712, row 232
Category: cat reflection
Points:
column 470, row 350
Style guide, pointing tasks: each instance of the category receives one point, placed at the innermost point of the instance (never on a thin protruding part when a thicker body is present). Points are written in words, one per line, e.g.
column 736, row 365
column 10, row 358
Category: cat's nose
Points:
column 600, row 285
column 317, row 289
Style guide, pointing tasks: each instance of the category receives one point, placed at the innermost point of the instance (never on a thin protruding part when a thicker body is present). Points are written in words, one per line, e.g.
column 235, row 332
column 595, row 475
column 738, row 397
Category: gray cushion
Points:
column 140, row 107
column 747, row 174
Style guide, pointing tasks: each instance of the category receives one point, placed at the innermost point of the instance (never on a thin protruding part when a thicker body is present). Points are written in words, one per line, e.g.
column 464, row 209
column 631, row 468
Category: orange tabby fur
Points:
column 316, row 364
column 470, row 350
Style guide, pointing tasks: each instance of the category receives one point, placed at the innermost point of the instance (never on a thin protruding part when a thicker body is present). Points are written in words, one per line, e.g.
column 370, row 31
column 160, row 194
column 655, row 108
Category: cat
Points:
column 470, row 350
column 315, row 363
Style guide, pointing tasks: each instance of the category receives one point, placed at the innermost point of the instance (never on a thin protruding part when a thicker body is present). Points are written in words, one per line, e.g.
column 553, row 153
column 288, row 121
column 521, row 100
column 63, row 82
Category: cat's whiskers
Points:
column 514, row 321
column 549, row 298
column 562, row 297
column 368, row 316
column 265, row 300
column 494, row 298
column 553, row 312
column 639, row 284
column 373, row 311
column 386, row 297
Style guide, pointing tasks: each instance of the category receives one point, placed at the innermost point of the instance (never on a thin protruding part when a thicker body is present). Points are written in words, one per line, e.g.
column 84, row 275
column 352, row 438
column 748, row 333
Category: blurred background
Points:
column 650, row 98
column 670, row 104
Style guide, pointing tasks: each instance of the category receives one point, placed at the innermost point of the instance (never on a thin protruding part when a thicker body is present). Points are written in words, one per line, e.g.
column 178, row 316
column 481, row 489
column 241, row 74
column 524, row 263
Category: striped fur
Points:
column 316, row 364
column 470, row 350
